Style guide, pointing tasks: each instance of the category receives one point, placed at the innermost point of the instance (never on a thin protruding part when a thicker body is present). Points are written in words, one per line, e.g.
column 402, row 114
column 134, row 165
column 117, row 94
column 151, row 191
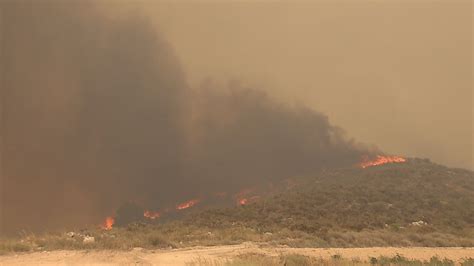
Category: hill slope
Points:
column 412, row 199
column 416, row 203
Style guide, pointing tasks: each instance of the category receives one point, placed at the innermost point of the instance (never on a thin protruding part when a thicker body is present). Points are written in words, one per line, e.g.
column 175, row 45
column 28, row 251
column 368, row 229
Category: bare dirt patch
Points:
column 220, row 253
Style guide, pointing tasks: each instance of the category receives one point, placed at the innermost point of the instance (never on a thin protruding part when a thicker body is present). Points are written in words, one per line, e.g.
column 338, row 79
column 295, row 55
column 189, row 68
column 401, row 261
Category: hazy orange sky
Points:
column 397, row 74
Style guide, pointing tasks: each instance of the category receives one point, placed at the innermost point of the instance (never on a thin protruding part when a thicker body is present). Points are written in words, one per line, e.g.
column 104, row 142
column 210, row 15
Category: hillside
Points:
column 416, row 203
column 413, row 200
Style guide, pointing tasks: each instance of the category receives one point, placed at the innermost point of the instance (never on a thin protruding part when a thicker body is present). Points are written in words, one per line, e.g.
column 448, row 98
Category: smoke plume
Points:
column 97, row 111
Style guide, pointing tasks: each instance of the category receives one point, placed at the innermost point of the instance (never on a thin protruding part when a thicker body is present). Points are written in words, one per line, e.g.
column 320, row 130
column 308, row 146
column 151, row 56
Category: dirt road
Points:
column 218, row 253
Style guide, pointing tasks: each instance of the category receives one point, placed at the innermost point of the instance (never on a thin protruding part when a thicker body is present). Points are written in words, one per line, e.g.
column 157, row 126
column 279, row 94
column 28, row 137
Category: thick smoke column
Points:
column 92, row 112
column 242, row 137
column 98, row 112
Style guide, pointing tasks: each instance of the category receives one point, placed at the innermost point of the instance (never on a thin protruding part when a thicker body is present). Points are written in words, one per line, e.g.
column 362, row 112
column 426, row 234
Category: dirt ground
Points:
column 140, row 256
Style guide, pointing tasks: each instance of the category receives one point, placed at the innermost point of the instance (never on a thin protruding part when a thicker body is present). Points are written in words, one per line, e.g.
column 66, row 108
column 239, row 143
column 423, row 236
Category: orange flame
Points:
column 382, row 160
column 187, row 204
column 243, row 197
column 108, row 223
column 151, row 214
column 243, row 201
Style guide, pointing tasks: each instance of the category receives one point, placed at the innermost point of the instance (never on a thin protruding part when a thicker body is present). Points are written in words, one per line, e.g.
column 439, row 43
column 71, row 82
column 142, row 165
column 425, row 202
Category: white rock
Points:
column 419, row 223
column 88, row 240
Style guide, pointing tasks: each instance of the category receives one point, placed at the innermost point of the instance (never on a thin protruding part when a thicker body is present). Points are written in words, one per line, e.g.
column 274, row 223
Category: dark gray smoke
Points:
column 97, row 111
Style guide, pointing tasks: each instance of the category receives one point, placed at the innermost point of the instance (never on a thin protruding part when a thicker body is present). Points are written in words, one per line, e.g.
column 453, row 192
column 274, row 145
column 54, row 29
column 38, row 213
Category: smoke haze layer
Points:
column 395, row 73
column 97, row 111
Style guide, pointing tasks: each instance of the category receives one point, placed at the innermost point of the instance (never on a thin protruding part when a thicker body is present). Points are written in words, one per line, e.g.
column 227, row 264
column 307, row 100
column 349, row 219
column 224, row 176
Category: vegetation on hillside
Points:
column 428, row 203
column 417, row 203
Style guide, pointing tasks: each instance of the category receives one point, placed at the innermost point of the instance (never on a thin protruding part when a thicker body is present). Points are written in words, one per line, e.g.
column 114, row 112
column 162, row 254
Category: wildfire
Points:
column 382, row 160
column 243, row 201
column 108, row 223
column 187, row 204
column 151, row 214
column 244, row 196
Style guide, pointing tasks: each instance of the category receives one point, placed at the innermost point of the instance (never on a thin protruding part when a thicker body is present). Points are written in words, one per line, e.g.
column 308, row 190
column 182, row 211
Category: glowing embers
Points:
column 187, row 204
column 108, row 223
column 380, row 159
column 245, row 201
column 246, row 196
column 151, row 214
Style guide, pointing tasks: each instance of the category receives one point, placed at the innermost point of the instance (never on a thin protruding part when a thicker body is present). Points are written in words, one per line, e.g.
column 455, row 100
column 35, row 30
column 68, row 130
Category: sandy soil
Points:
column 140, row 256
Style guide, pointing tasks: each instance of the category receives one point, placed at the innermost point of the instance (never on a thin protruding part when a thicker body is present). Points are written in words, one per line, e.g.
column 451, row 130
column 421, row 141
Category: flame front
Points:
column 151, row 214
column 187, row 204
column 382, row 160
column 108, row 223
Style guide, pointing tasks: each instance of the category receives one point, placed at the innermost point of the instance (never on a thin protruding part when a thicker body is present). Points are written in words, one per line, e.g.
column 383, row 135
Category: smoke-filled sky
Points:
column 158, row 102
column 397, row 74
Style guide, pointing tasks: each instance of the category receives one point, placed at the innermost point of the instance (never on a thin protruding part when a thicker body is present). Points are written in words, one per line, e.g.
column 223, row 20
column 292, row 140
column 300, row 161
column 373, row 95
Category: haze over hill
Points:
column 97, row 109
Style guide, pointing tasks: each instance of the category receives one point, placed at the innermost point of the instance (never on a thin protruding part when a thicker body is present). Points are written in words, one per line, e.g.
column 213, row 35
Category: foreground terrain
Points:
column 249, row 254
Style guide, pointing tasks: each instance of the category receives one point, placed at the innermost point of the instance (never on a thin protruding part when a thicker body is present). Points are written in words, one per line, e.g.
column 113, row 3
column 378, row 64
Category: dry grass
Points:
column 255, row 259
column 179, row 235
